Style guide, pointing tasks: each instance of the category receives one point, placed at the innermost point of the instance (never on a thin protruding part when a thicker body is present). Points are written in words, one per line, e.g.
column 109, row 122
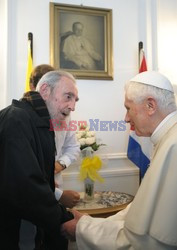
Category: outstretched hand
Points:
column 68, row 229
column 69, row 198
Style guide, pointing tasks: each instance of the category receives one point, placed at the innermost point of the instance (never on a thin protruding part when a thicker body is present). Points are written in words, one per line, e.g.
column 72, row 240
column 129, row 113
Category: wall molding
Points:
column 128, row 171
column 118, row 156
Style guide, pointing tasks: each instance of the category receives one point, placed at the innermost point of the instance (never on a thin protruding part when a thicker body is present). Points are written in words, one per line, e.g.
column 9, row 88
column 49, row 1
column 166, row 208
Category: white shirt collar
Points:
column 154, row 135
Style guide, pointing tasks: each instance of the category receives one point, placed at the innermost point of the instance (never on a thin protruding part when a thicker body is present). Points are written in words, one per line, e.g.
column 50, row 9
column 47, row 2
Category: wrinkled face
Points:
column 137, row 116
column 78, row 29
column 63, row 99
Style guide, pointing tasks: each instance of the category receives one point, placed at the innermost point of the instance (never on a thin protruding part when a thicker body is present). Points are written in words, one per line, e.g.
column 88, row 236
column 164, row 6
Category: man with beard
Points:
column 27, row 156
column 67, row 147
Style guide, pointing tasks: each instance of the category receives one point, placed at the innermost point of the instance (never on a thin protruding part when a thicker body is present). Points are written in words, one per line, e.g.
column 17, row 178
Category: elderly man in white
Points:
column 150, row 221
column 79, row 50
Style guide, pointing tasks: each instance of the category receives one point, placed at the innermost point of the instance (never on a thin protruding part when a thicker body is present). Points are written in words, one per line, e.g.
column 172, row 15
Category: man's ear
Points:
column 151, row 105
column 44, row 91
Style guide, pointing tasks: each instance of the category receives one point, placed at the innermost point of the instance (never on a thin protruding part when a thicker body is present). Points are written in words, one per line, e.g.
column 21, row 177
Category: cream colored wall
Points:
column 167, row 38
column 133, row 21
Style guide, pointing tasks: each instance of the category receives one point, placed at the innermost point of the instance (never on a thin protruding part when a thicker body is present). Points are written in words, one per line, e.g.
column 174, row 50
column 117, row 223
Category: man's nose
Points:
column 72, row 105
column 127, row 119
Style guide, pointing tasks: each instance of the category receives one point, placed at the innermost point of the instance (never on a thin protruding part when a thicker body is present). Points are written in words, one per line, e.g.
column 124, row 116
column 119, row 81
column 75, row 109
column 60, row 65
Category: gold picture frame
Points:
column 81, row 41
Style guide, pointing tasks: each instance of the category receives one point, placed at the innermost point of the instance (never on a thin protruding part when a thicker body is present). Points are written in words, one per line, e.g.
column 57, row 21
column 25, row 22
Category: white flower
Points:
column 87, row 139
column 90, row 140
column 92, row 133
column 82, row 141
column 81, row 133
column 89, row 134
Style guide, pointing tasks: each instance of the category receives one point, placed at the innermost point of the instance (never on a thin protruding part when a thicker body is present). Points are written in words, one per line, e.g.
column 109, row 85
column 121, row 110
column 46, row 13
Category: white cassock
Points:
column 150, row 221
column 80, row 51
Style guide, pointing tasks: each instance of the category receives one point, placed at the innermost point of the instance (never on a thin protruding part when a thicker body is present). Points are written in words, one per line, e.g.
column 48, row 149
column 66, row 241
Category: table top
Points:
column 104, row 204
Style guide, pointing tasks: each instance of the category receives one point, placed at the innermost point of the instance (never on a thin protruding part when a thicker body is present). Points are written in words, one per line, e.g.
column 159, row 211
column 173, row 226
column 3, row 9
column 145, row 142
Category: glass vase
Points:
column 88, row 189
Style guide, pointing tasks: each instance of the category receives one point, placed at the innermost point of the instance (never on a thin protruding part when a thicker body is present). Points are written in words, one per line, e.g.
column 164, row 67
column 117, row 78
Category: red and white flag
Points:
column 143, row 65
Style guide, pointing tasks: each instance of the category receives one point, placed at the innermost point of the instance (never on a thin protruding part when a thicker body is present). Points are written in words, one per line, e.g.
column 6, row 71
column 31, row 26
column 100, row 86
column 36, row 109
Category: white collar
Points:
column 161, row 124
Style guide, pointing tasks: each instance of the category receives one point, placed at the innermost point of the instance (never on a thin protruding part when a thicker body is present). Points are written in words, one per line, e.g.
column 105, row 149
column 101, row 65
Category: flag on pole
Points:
column 29, row 67
column 140, row 148
column 142, row 59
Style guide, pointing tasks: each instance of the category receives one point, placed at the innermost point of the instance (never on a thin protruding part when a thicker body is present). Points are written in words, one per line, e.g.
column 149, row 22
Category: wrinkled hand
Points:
column 68, row 229
column 58, row 167
column 56, row 185
column 69, row 198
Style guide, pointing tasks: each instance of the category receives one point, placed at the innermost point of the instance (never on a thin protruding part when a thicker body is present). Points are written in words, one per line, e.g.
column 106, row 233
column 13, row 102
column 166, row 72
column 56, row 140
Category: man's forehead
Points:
column 68, row 86
column 66, row 80
column 66, row 83
column 127, row 101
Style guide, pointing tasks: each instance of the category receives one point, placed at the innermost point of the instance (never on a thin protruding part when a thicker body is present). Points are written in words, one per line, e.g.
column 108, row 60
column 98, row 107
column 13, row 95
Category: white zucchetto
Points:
column 153, row 78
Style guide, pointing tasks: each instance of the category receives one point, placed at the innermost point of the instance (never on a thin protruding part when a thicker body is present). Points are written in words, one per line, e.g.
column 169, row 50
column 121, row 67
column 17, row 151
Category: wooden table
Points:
column 104, row 204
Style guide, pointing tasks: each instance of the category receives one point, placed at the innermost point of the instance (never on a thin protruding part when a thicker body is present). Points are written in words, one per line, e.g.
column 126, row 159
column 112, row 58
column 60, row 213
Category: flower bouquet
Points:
column 91, row 163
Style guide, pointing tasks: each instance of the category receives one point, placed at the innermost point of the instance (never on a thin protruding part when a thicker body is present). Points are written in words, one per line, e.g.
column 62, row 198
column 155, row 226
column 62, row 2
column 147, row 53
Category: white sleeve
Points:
column 70, row 149
column 58, row 193
column 102, row 234
column 70, row 50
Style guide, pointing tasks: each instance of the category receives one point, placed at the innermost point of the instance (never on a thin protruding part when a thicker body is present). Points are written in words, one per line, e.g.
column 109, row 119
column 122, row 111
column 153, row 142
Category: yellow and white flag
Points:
column 29, row 67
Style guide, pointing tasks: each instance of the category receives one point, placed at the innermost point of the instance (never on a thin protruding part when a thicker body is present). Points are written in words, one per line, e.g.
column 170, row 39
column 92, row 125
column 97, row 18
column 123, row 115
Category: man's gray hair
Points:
column 138, row 92
column 53, row 78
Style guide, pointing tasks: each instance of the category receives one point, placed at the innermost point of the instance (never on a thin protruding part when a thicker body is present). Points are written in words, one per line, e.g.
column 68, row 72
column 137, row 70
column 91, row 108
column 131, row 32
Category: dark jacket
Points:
column 27, row 154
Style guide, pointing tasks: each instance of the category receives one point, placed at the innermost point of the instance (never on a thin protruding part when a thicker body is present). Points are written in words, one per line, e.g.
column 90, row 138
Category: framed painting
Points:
column 81, row 41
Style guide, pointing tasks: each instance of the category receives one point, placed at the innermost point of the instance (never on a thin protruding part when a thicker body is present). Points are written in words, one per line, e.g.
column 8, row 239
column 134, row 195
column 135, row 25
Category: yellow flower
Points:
column 89, row 168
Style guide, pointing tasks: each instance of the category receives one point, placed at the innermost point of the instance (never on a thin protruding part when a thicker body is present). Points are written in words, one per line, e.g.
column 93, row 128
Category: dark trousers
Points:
column 50, row 241
column 9, row 233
